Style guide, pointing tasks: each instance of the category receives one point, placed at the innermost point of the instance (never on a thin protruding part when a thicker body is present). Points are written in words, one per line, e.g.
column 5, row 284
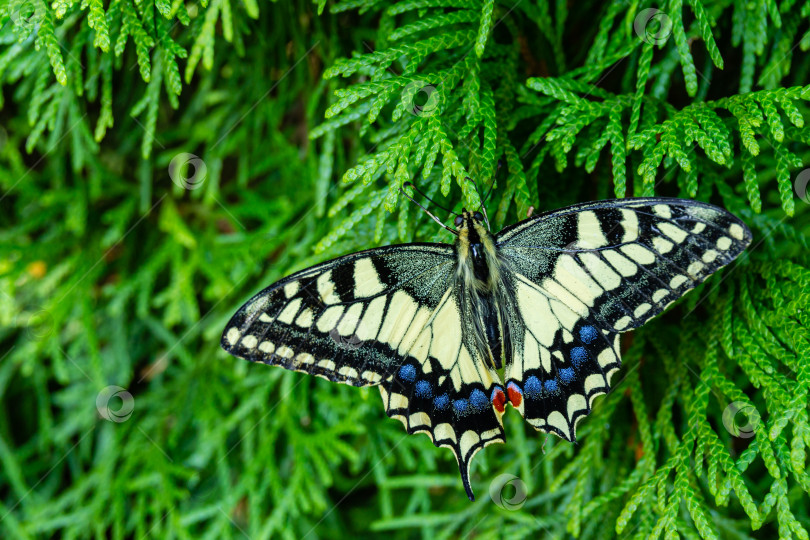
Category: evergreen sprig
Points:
column 114, row 270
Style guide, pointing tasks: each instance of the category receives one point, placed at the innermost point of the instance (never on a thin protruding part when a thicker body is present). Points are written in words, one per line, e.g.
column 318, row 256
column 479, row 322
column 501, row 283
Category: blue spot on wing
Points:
column 567, row 375
column 588, row 334
column 578, row 355
column 460, row 405
column 441, row 402
column 479, row 399
column 551, row 385
column 407, row 373
column 424, row 390
column 533, row 386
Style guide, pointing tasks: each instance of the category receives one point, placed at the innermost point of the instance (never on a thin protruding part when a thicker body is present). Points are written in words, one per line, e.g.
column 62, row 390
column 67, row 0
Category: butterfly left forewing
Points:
column 348, row 320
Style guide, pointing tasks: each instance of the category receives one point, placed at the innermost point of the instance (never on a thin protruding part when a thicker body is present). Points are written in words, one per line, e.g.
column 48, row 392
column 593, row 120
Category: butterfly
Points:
column 543, row 301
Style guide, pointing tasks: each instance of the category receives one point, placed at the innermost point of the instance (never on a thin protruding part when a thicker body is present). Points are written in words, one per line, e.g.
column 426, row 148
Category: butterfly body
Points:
column 546, row 299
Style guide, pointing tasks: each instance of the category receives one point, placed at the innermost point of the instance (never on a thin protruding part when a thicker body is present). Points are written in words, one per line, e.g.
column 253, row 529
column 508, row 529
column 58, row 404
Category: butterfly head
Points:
column 468, row 220
column 478, row 260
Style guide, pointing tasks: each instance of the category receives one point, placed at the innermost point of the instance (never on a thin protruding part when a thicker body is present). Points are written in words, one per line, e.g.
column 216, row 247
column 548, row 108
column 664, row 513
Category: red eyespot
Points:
column 458, row 221
column 498, row 399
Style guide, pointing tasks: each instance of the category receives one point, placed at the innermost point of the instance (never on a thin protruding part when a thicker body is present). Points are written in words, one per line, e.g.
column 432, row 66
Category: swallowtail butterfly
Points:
column 546, row 299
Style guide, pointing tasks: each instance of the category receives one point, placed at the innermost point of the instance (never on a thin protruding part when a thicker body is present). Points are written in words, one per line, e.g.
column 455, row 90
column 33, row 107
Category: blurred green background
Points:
column 161, row 161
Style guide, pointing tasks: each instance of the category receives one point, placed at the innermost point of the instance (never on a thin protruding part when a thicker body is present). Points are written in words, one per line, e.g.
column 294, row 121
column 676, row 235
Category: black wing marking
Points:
column 584, row 274
column 349, row 320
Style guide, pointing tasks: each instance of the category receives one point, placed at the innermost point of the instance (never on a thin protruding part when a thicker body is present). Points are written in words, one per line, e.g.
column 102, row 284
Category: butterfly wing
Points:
column 392, row 317
column 445, row 389
column 582, row 275
column 350, row 319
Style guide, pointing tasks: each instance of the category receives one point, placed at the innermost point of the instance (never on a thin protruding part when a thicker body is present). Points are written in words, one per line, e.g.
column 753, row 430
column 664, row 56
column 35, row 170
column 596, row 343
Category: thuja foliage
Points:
column 119, row 269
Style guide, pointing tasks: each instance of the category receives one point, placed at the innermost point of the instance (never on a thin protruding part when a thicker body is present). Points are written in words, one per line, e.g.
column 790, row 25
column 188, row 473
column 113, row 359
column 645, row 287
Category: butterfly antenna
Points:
column 422, row 193
column 482, row 207
column 437, row 220
column 494, row 181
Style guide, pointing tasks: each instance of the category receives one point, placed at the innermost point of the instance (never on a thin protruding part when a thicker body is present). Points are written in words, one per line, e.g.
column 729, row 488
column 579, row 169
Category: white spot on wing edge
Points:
column 468, row 440
column 291, row 288
column 623, row 323
column 233, row 335
column 677, row 281
column 576, row 402
column 641, row 310
column 659, row 295
column 709, row 256
column 724, row 242
column 444, row 432
column 662, row 210
column 557, row 420
column 348, row 371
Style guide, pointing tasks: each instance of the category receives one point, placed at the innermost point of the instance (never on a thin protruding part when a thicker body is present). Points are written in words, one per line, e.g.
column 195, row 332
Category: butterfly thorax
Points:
column 478, row 264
